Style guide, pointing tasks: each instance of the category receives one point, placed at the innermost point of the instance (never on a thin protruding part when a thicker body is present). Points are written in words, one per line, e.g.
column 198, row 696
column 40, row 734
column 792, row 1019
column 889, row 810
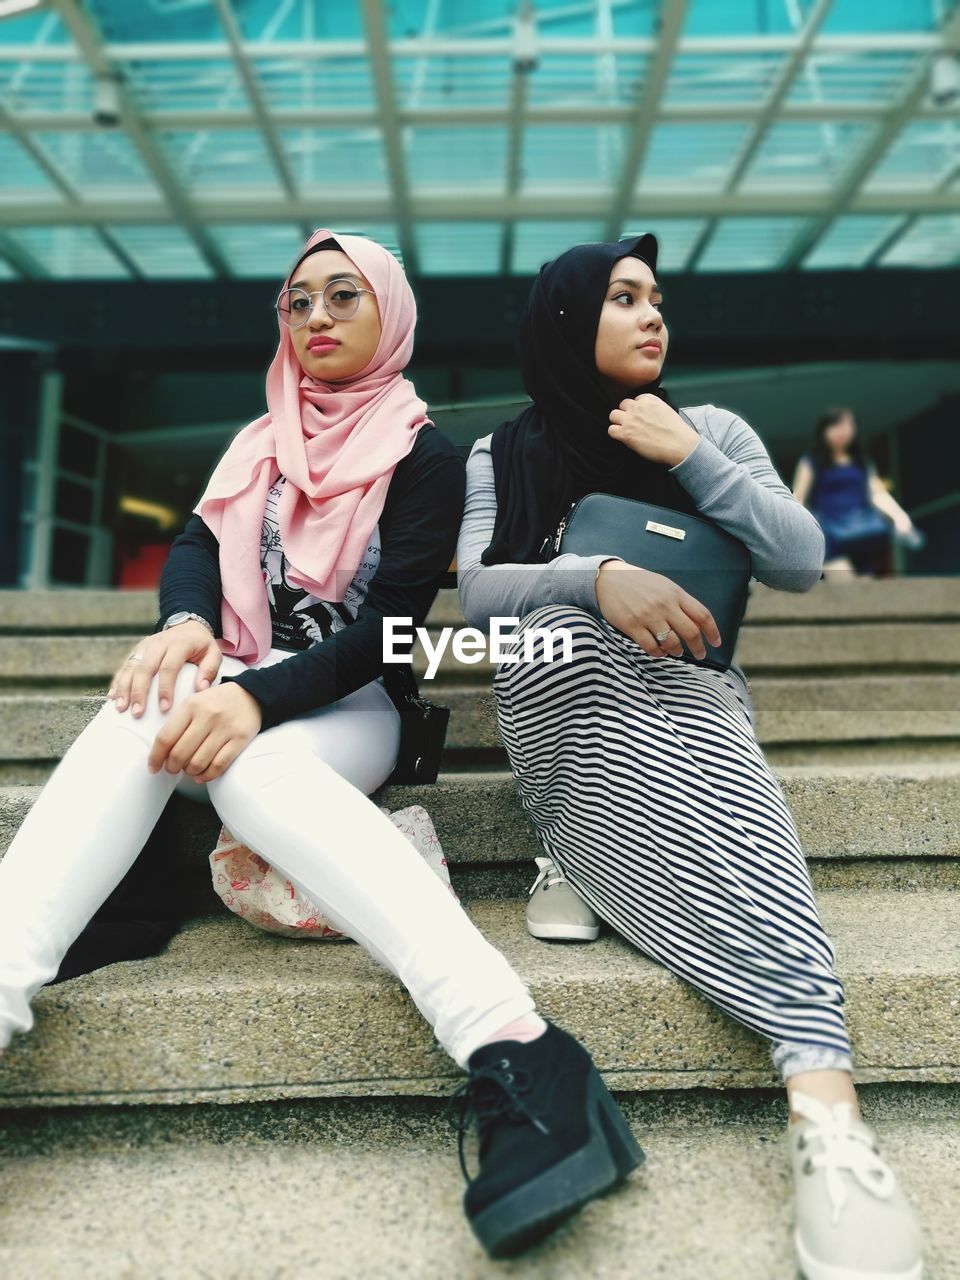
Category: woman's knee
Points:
column 150, row 721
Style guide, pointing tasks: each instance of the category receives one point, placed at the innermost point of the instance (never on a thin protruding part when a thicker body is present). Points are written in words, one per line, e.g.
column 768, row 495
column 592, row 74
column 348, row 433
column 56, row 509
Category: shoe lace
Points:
column 846, row 1149
column 490, row 1092
column 550, row 872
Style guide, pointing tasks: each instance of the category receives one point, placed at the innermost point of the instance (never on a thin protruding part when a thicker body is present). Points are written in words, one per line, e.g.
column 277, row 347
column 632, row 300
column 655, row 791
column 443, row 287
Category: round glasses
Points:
column 340, row 297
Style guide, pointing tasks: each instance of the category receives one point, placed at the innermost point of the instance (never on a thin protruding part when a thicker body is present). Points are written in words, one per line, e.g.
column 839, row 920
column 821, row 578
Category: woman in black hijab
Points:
column 558, row 448
column 644, row 779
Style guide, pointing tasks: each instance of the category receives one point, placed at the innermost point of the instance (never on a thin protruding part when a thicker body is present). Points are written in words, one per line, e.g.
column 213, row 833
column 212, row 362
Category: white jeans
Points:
column 298, row 796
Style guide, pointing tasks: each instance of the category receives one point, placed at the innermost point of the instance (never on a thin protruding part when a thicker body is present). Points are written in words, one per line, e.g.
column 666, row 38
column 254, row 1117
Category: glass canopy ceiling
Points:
column 206, row 138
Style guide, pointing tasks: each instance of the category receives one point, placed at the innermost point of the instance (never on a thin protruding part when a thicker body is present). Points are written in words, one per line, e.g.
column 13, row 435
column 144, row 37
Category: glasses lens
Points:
column 293, row 307
column 342, row 299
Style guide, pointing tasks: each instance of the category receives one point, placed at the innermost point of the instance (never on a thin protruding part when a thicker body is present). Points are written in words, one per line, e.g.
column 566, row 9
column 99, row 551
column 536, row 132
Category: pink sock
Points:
column 530, row 1027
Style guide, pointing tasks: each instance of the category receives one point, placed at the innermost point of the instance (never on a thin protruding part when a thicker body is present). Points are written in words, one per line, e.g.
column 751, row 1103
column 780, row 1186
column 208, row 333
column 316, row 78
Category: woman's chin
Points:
column 325, row 367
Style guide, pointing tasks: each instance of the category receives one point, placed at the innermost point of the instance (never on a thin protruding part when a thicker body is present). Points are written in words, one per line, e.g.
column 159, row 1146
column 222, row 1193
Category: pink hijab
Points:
column 337, row 443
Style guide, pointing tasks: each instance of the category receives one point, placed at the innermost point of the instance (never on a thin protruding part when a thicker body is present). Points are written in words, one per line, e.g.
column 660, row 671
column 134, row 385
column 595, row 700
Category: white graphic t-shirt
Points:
column 298, row 618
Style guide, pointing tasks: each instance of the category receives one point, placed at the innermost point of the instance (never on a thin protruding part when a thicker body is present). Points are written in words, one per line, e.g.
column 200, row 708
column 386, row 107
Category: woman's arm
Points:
column 191, row 576
column 884, row 501
column 418, row 532
column 511, row 590
column 735, row 483
column 802, row 481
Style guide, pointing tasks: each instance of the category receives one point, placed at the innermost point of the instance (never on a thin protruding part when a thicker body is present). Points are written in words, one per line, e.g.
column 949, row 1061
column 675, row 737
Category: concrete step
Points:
column 31, row 662
column 229, row 1014
column 372, row 1188
column 896, row 599
column 896, row 827
column 821, row 709
column 872, row 753
column 841, row 813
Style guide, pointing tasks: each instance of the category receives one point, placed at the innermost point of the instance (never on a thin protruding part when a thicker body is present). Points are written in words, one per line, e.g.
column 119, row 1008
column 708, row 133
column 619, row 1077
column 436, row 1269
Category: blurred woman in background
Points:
column 840, row 485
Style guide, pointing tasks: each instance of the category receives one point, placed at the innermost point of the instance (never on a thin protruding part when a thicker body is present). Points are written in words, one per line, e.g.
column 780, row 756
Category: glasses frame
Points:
column 321, row 293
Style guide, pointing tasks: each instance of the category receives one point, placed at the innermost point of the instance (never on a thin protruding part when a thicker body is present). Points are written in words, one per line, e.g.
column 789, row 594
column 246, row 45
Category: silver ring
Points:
column 660, row 636
column 135, row 657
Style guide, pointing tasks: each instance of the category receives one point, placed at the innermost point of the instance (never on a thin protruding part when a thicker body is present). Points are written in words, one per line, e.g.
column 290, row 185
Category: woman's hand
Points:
column 640, row 603
column 651, row 428
column 206, row 732
column 166, row 652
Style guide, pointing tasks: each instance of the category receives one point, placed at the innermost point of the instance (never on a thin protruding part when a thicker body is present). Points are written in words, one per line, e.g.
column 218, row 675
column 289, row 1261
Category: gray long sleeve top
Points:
column 730, row 477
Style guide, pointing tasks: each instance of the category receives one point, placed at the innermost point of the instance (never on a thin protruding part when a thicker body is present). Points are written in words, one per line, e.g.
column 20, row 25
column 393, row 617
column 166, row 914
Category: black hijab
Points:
column 558, row 449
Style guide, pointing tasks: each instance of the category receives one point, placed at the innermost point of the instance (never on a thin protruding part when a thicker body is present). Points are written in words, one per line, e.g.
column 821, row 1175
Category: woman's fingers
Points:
column 222, row 760
column 208, row 664
column 120, row 684
column 167, row 672
column 641, row 603
column 204, row 754
column 701, row 616
column 684, row 628
column 182, row 733
column 144, row 661
column 130, row 684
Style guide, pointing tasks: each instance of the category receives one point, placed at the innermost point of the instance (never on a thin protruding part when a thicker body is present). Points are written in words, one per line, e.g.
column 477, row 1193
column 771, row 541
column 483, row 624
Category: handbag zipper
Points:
column 559, row 533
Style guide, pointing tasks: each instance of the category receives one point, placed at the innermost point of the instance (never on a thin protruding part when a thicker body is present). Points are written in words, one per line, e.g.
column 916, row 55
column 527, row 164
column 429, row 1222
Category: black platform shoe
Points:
column 551, row 1138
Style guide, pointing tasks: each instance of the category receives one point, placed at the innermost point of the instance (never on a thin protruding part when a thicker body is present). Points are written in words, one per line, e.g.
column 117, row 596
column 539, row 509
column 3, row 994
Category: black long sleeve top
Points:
column 418, row 536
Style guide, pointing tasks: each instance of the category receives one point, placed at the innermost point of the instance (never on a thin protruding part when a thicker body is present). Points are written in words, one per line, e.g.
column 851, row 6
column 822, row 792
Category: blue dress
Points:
column 840, row 502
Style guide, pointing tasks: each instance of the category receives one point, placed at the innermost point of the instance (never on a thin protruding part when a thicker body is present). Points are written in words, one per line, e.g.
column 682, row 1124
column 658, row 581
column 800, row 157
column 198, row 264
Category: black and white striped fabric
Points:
column 647, row 786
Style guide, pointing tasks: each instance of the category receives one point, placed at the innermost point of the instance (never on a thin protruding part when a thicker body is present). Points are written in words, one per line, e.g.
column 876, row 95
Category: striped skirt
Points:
column 645, row 783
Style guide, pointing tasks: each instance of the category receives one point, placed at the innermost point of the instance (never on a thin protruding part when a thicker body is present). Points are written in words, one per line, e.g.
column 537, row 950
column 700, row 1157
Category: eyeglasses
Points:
column 341, row 300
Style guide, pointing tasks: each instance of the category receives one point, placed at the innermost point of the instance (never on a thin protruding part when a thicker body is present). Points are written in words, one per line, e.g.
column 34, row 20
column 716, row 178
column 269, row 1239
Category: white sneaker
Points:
column 556, row 911
column 853, row 1221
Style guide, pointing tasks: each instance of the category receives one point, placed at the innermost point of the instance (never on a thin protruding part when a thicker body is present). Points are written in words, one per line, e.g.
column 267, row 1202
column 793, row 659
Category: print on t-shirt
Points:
column 298, row 618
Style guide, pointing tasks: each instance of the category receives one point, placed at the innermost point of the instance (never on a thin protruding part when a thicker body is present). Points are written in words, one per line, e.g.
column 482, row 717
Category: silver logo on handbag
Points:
column 669, row 530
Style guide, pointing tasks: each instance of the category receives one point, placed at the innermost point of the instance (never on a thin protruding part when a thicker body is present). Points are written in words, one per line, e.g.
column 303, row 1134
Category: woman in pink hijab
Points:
column 261, row 690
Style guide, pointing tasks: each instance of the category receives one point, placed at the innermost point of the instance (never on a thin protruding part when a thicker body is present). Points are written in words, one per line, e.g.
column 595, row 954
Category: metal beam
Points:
column 379, row 51
column 91, row 47
column 261, row 113
column 445, row 46
column 772, row 109
column 848, row 191
column 574, row 112
column 673, row 14
column 347, row 204
column 21, row 259
column 524, row 27
column 65, row 187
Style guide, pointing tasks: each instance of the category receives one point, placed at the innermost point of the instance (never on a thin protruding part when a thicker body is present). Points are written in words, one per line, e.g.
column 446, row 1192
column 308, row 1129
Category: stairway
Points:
column 118, row 1156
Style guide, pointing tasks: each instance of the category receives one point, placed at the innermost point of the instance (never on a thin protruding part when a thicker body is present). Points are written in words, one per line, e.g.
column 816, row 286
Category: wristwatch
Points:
column 183, row 616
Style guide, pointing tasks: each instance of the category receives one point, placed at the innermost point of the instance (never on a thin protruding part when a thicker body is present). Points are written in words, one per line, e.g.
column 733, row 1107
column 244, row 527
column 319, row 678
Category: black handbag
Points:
column 693, row 551
column 423, row 728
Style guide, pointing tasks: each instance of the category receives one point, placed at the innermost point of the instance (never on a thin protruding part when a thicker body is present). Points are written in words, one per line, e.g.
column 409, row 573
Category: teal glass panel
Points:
column 459, row 248
column 749, row 244
column 70, row 253
column 162, row 252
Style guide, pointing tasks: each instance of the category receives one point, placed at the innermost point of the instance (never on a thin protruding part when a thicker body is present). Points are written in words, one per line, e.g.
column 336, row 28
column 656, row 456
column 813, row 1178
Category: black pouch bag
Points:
column 423, row 728
column 709, row 563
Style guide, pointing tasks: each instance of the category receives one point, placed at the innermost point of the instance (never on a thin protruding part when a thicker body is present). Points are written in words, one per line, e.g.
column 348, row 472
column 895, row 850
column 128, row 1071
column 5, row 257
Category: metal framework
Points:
column 518, row 77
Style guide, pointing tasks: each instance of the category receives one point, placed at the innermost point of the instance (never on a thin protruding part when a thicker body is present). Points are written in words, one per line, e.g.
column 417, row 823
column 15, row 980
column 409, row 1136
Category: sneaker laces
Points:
column 846, row 1148
column 490, row 1092
column 550, row 872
